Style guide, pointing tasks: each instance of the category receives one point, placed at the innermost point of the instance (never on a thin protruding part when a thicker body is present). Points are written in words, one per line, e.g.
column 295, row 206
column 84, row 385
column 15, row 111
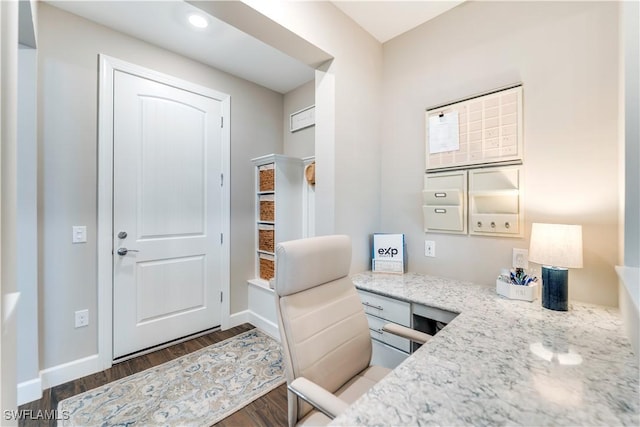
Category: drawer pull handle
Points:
column 440, row 194
column 377, row 307
column 493, row 224
column 440, row 211
column 507, row 225
column 479, row 224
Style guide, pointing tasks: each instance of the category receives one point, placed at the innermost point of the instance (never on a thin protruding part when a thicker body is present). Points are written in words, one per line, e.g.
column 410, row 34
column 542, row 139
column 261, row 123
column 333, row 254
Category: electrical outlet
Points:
column 82, row 318
column 429, row 248
column 520, row 258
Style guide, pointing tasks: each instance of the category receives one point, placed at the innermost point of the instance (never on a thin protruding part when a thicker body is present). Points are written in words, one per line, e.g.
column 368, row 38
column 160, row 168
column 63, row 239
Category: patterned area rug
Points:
column 198, row 389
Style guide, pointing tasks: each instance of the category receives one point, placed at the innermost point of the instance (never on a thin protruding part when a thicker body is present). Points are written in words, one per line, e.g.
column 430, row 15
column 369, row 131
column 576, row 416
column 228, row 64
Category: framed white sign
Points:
column 302, row 119
column 389, row 254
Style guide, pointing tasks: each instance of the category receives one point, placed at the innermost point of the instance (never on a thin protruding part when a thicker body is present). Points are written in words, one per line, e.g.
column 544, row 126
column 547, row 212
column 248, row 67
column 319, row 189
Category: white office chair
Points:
column 324, row 330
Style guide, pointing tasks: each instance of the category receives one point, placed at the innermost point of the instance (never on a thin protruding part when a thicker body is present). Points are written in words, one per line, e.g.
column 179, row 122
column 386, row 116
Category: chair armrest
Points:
column 403, row 331
column 318, row 397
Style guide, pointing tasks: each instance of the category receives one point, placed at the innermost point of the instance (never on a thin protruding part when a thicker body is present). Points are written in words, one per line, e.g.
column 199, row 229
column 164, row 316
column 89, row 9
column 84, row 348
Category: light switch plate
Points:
column 429, row 248
column 520, row 258
column 82, row 318
column 79, row 234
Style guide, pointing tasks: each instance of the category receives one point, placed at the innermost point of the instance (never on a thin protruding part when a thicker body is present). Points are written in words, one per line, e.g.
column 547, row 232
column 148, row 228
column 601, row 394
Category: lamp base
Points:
column 555, row 288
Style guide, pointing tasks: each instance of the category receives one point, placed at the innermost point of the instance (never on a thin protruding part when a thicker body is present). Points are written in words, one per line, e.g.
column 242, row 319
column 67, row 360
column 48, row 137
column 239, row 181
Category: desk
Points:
column 503, row 362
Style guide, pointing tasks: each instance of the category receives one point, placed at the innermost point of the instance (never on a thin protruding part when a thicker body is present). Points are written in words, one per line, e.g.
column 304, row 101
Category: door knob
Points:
column 124, row 251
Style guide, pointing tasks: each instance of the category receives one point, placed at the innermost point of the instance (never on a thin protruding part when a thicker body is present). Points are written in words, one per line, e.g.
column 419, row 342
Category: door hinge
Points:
column 220, row 296
column 221, row 121
column 221, row 180
column 221, row 238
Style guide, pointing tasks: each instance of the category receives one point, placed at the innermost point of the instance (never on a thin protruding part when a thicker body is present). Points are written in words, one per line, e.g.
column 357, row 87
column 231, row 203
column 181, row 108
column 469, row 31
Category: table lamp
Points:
column 557, row 247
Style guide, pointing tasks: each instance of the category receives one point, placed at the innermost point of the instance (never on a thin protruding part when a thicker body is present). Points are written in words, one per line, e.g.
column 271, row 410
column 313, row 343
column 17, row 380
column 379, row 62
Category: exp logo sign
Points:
column 389, row 252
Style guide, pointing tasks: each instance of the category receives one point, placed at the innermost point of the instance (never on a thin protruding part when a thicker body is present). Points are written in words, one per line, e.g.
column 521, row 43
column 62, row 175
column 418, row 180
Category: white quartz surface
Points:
column 503, row 362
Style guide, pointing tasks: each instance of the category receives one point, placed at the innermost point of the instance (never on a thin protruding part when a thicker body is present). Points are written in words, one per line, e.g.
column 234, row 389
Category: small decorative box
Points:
column 524, row 293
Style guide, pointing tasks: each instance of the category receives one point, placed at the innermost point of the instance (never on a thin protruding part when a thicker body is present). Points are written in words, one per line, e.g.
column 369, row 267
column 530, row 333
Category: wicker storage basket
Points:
column 267, row 268
column 267, row 210
column 266, row 240
column 267, row 178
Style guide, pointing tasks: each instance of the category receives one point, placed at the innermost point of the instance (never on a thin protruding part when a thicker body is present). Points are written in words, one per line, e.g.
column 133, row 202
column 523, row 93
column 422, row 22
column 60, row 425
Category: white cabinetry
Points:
column 278, row 217
column 388, row 350
column 279, row 181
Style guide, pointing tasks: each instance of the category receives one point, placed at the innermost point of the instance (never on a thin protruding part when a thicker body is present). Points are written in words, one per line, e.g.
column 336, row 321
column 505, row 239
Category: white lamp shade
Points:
column 557, row 245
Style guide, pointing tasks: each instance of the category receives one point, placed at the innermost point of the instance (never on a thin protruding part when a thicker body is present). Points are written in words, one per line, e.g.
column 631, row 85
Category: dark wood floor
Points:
column 269, row 410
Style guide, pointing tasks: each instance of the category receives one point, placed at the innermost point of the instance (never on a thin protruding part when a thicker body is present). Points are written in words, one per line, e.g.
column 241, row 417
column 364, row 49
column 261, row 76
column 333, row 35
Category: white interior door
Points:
column 167, row 213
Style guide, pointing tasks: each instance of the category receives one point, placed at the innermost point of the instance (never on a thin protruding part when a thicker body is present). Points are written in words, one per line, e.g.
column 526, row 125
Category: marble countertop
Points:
column 503, row 362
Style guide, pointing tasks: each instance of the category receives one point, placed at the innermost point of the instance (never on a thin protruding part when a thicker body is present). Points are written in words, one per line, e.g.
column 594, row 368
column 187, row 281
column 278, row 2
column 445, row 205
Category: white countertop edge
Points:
column 260, row 283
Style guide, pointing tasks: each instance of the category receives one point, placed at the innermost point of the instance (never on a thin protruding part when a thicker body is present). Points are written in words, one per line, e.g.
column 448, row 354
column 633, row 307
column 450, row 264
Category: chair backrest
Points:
column 324, row 331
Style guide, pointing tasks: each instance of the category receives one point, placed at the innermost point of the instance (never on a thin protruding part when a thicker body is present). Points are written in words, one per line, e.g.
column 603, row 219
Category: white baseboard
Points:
column 28, row 391
column 239, row 318
column 61, row 374
column 265, row 325
column 256, row 320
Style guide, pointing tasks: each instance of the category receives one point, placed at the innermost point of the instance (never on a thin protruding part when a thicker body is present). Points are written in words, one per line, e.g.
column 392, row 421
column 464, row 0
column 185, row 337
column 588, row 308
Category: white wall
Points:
column 348, row 121
column 27, row 210
column 631, row 43
column 8, row 186
column 629, row 288
column 300, row 143
column 68, row 79
column 565, row 54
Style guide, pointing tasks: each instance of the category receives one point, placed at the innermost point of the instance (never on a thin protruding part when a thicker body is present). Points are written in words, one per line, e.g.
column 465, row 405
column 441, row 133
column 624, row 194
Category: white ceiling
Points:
column 164, row 23
column 385, row 20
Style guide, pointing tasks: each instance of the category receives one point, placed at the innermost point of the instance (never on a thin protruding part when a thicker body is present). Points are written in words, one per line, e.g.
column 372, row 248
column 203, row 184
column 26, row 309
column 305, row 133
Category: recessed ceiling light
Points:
column 198, row 21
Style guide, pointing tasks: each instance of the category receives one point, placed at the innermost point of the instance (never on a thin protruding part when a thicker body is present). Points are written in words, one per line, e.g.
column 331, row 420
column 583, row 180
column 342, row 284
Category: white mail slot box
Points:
column 495, row 223
column 445, row 218
column 450, row 197
column 506, row 178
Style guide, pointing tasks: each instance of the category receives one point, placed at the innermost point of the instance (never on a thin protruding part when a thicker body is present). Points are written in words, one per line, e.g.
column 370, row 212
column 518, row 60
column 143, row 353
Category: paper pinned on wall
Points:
column 443, row 133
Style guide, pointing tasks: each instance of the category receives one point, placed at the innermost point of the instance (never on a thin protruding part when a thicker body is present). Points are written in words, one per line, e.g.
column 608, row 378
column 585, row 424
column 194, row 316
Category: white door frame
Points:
column 108, row 66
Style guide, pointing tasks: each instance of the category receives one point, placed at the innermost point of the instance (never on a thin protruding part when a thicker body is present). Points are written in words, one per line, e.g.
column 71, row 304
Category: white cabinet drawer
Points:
column 376, row 332
column 386, row 308
column 442, row 197
column 446, row 218
column 384, row 355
